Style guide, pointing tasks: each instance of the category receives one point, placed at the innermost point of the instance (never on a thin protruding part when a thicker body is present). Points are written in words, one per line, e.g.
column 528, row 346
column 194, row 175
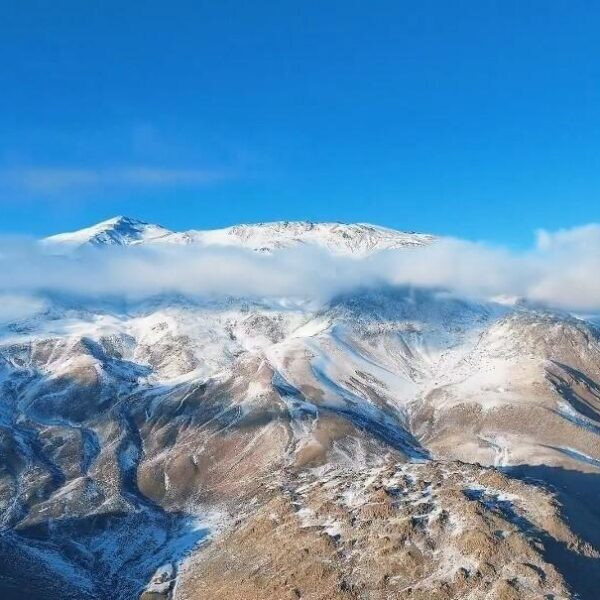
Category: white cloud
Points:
column 562, row 270
column 52, row 179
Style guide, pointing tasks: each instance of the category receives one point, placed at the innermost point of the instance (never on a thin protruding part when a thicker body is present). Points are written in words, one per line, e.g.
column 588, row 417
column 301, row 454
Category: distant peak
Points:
column 120, row 220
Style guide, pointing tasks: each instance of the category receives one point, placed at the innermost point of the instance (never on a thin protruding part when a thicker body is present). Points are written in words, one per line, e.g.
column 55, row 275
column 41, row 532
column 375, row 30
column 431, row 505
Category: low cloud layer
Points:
column 562, row 270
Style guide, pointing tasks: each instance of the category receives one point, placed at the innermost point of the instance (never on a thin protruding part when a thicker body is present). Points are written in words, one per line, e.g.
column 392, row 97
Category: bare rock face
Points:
column 389, row 444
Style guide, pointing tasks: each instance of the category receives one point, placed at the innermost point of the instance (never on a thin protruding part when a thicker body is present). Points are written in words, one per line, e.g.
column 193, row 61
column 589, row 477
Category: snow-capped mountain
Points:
column 354, row 239
column 118, row 231
column 389, row 443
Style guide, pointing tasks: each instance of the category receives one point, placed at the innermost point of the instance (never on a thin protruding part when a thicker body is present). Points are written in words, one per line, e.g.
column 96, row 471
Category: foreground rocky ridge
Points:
column 428, row 530
column 389, row 444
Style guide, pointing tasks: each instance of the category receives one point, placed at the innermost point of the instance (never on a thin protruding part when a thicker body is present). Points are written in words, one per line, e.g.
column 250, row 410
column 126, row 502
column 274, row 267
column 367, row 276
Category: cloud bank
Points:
column 562, row 270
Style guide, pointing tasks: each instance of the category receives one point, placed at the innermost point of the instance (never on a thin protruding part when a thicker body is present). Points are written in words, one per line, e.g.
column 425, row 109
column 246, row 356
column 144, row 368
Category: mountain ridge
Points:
column 351, row 238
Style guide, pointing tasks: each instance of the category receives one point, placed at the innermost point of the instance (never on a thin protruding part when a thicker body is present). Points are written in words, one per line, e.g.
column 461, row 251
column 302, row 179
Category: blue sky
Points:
column 474, row 119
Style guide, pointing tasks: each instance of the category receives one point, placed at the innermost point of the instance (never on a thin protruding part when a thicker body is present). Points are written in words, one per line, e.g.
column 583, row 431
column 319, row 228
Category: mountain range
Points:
column 390, row 442
column 355, row 239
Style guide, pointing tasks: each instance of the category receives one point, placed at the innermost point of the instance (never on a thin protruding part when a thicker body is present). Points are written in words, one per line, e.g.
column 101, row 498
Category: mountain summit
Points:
column 118, row 231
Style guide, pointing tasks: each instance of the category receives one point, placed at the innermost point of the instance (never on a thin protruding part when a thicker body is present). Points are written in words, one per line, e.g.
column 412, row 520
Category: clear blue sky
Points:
column 477, row 119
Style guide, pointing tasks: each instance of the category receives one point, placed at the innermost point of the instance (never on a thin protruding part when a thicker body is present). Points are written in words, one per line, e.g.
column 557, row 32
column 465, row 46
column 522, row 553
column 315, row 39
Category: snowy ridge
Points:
column 351, row 239
column 356, row 239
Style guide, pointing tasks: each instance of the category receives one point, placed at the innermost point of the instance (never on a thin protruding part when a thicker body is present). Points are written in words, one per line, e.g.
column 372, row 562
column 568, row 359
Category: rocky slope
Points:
column 390, row 443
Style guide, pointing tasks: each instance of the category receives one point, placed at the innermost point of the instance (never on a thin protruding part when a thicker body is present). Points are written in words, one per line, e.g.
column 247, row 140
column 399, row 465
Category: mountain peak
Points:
column 116, row 231
column 119, row 220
